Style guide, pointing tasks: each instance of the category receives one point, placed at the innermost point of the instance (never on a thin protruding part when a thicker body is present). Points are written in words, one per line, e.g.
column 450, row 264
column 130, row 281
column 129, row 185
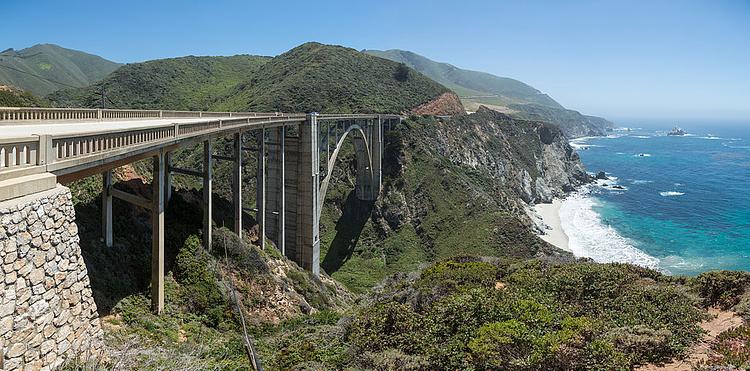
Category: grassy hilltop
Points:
column 309, row 78
column 60, row 68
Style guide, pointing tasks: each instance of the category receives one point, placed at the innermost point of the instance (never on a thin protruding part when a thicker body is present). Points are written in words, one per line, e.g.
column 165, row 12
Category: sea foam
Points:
column 590, row 237
column 671, row 193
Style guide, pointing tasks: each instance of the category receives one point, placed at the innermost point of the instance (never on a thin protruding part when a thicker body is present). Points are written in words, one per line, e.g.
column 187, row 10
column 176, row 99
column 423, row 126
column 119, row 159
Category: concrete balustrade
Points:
column 15, row 114
column 18, row 152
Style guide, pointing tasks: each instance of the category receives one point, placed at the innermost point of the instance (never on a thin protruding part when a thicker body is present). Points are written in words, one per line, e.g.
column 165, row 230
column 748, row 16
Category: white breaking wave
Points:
column 642, row 155
column 641, row 136
column 671, row 193
column 639, row 181
column 589, row 237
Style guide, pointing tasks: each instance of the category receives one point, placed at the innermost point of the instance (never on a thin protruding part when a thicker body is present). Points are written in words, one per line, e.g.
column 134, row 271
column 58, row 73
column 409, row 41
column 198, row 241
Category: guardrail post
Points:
column 161, row 113
column 99, row 114
column 46, row 151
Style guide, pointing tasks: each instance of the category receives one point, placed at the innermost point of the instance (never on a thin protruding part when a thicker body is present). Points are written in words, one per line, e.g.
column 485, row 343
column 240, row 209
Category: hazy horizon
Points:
column 664, row 60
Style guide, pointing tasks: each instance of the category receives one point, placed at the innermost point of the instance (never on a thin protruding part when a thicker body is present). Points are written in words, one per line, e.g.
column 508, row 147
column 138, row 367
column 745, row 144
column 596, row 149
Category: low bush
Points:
column 542, row 315
column 721, row 288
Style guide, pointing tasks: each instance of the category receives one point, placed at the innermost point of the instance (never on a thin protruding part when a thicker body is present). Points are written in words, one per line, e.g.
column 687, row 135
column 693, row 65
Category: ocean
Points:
column 679, row 204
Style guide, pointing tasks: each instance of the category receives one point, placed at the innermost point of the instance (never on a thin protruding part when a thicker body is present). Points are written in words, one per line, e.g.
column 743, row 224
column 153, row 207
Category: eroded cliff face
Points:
column 533, row 160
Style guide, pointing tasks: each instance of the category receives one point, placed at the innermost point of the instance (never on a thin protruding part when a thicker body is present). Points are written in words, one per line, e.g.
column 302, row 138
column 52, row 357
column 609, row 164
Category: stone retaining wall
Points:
column 47, row 313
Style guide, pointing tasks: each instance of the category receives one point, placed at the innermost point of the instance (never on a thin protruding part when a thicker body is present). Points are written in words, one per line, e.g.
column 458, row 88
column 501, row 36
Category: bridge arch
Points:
column 363, row 153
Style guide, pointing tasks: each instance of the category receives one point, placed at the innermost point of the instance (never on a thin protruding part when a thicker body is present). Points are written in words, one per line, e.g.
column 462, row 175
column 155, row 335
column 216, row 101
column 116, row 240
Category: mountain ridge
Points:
column 44, row 68
column 309, row 78
column 502, row 94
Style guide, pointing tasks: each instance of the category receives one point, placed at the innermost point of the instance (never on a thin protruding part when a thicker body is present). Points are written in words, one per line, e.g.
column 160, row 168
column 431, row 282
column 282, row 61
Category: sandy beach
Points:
column 550, row 218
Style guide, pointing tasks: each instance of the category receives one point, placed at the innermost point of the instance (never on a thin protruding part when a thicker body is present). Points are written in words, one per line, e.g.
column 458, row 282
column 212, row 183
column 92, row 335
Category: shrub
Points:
column 402, row 72
column 383, row 326
column 503, row 345
column 721, row 288
column 451, row 275
column 645, row 343
column 732, row 348
column 199, row 291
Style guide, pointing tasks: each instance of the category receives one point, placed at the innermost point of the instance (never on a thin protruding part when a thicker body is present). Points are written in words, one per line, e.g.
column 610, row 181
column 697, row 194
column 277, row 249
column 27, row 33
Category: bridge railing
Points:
column 15, row 114
column 19, row 152
column 36, row 150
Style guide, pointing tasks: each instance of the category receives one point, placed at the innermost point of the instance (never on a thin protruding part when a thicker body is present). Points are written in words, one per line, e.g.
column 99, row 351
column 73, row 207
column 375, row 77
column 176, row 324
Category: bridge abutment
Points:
column 47, row 312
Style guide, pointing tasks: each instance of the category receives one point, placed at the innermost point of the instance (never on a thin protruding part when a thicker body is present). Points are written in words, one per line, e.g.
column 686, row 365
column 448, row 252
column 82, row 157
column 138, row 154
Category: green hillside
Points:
column 59, row 68
column 500, row 93
column 186, row 83
column 323, row 78
column 309, row 78
column 12, row 97
column 469, row 83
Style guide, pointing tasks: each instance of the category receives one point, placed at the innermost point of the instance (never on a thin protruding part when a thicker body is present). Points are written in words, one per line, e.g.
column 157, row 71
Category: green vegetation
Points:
column 469, row 83
column 11, row 97
column 722, row 288
column 731, row 350
column 323, row 78
column 59, row 68
column 309, row 78
column 433, row 207
column 454, row 189
column 186, row 83
column 509, row 95
column 495, row 314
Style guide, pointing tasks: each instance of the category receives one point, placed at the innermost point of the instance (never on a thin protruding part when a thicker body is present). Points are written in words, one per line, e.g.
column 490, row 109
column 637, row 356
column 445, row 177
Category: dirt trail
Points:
column 721, row 321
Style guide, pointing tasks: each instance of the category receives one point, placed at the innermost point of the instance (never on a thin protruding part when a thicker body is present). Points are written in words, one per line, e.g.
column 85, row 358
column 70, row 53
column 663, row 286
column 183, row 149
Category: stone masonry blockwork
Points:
column 47, row 312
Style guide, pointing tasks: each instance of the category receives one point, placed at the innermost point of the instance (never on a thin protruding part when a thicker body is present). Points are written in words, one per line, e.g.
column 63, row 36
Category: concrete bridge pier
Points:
column 157, row 232
column 237, row 183
column 207, row 194
column 275, row 190
column 308, row 205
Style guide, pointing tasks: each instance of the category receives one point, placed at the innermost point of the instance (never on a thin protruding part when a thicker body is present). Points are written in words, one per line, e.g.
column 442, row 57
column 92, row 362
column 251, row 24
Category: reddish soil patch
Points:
column 445, row 105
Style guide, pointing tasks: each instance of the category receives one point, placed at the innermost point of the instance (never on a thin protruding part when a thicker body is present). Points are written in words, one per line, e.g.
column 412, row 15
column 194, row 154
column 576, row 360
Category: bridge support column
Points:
column 275, row 200
column 308, row 180
column 107, row 208
column 207, row 194
column 364, row 175
column 237, row 184
column 157, row 234
column 260, row 189
column 168, row 177
column 376, row 149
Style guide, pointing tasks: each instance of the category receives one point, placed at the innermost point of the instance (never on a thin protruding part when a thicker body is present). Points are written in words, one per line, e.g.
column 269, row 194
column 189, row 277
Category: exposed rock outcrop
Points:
column 446, row 104
column 533, row 159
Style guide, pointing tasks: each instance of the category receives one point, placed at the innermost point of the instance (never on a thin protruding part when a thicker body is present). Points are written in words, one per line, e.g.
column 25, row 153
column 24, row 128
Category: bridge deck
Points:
column 31, row 128
column 77, row 142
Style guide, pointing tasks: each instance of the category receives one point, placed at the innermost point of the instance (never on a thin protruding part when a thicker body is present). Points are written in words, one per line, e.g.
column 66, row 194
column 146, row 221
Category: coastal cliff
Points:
column 531, row 159
column 452, row 186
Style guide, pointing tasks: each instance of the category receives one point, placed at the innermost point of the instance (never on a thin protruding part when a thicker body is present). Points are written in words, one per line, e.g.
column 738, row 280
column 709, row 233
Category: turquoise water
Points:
column 685, row 206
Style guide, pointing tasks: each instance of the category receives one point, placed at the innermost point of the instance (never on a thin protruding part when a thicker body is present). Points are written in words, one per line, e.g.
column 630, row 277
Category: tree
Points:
column 402, row 73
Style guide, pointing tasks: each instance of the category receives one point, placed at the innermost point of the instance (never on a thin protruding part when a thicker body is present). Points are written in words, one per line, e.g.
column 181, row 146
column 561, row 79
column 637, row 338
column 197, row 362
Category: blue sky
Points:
column 620, row 59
